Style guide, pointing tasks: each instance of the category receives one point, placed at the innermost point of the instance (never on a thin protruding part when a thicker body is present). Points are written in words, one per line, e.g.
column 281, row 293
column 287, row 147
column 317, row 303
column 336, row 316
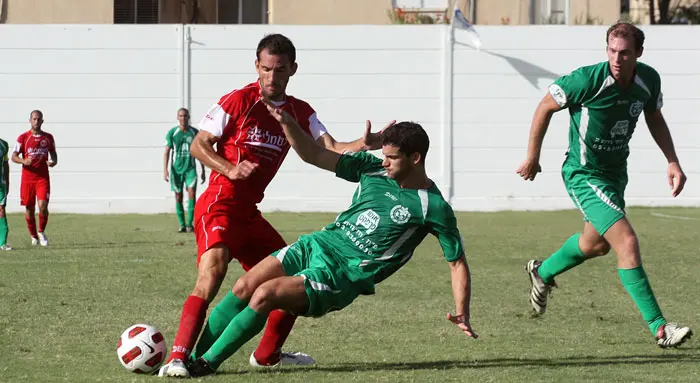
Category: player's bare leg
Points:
column 43, row 220
column 211, row 271
column 191, row 199
column 624, row 241
column 3, row 230
column 180, row 212
column 268, row 289
column 29, row 212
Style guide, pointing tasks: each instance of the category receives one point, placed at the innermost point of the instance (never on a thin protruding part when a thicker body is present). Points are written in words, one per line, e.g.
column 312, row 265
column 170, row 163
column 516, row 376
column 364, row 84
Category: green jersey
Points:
column 181, row 161
column 4, row 157
column 384, row 224
column 604, row 115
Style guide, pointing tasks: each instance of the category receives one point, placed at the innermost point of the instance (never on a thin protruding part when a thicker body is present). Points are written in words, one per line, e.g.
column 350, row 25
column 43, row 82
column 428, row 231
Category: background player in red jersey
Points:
column 35, row 150
column 250, row 148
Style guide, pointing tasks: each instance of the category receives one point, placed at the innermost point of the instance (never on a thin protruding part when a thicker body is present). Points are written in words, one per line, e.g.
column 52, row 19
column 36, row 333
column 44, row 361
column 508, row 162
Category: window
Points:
column 241, row 11
column 136, row 11
column 550, row 12
column 422, row 4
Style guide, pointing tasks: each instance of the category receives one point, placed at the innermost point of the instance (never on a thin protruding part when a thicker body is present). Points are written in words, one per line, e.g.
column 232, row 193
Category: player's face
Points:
column 622, row 56
column 36, row 121
column 274, row 72
column 183, row 118
column 397, row 164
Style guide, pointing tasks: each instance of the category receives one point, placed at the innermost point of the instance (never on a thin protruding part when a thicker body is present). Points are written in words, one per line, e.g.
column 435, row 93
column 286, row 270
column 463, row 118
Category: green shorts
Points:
column 327, row 288
column 599, row 196
column 188, row 179
column 3, row 194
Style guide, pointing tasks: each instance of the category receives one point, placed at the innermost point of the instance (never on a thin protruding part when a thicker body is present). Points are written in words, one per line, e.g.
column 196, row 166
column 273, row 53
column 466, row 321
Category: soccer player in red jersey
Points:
column 250, row 148
column 35, row 150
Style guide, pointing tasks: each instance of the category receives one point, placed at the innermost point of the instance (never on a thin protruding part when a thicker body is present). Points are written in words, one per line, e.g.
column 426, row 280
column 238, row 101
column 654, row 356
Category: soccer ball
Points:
column 141, row 348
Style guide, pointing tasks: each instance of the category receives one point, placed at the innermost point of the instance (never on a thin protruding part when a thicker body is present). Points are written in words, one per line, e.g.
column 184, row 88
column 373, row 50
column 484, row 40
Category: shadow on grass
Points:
column 576, row 361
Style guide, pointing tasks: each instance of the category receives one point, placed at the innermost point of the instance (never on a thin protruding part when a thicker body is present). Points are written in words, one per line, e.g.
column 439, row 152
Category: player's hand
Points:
column 51, row 163
column 529, row 169
column 27, row 161
column 373, row 141
column 277, row 113
column 166, row 176
column 463, row 323
column 676, row 178
column 243, row 170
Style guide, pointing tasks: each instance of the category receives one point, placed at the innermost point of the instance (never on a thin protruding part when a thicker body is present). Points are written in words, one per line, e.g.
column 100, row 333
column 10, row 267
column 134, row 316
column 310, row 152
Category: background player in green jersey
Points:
column 182, row 172
column 4, row 188
column 393, row 209
column 605, row 101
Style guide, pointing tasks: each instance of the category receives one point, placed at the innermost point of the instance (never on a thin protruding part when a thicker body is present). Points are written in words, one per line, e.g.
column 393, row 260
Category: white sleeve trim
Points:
column 316, row 127
column 16, row 149
column 558, row 94
column 215, row 120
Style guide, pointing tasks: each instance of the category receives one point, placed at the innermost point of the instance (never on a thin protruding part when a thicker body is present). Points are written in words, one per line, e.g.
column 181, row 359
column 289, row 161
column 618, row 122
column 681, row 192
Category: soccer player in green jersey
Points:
column 4, row 187
column 394, row 207
column 183, row 170
column 605, row 101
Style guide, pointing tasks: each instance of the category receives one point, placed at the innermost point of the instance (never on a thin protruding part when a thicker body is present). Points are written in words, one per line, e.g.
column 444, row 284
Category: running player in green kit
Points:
column 605, row 101
column 393, row 209
column 182, row 169
column 4, row 188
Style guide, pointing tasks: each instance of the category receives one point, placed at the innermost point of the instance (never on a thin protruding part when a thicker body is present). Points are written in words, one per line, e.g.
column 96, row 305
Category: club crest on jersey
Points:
column 259, row 137
column 44, row 143
column 369, row 220
column 636, row 109
column 400, row 214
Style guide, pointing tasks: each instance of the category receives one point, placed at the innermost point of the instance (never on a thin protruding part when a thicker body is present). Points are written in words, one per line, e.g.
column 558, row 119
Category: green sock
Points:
column 220, row 317
column 637, row 285
column 569, row 255
column 180, row 213
column 3, row 230
column 190, row 212
column 242, row 328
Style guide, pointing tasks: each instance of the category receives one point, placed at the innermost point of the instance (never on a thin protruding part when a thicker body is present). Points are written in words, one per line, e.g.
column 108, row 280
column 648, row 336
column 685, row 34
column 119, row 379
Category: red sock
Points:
column 193, row 313
column 31, row 225
column 279, row 324
column 43, row 219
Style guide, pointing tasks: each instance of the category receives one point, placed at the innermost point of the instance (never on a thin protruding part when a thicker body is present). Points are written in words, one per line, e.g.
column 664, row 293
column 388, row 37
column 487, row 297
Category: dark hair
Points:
column 183, row 110
column 277, row 44
column 626, row 30
column 409, row 137
column 37, row 111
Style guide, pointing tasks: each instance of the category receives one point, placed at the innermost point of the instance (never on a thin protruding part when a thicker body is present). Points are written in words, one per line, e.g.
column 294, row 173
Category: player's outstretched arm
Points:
column 368, row 141
column 202, row 148
column 661, row 134
column 540, row 122
column 461, row 289
column 305, row 146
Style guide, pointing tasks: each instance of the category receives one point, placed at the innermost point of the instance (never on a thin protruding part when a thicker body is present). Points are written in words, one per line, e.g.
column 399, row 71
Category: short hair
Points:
column 626, row 30
column 37, row 111
column 277, row 44
column 409, row 137
column 183, row 110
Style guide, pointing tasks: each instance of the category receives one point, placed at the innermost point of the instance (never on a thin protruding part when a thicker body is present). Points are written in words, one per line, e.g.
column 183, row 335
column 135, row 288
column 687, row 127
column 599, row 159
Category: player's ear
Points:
column 415, row 158
column 640, row 51
column 295, row 66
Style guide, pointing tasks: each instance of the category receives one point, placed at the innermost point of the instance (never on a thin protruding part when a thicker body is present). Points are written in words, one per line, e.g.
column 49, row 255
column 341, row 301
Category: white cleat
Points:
column 539, row 291
column 35, row 241
column 175, row 369
column 286, row 359
column 673, row 335
column 6, row 247
column 43, row 239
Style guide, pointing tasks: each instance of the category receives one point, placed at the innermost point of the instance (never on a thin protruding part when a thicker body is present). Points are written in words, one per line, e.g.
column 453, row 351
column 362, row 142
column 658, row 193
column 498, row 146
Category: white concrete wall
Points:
column 110, row 92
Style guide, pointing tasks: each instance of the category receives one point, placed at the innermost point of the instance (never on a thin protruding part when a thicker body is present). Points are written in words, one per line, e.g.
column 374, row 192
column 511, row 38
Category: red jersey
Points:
column 247, row 131
column 37, row 146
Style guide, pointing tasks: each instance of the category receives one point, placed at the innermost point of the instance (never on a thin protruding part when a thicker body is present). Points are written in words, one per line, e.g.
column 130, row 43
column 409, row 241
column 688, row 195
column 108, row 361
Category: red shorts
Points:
column 30, row 191
column 241, row 228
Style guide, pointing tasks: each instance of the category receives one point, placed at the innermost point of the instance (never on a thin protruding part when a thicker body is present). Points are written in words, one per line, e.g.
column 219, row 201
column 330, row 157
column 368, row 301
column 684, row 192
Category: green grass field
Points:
column 62, row 308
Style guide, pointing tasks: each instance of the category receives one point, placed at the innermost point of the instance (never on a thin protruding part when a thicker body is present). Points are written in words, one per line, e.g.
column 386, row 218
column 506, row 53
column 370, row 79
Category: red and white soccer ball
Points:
column 141, row 348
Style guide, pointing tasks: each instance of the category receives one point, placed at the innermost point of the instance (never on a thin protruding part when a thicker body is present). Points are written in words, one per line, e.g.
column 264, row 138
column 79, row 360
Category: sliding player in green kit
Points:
column 605, row 101
column 393, row 209
column 183, row 169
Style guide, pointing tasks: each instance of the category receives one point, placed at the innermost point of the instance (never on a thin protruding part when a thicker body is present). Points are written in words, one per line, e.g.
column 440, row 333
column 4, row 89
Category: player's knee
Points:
column 629, row 246
column 264, row 298
column 178, row 197
column 595, row 249
column 2, row 211
column 243, row 288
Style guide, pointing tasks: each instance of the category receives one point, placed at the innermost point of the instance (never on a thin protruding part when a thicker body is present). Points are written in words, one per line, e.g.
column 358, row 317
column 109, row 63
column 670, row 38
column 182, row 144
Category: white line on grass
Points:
column 674, row 217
